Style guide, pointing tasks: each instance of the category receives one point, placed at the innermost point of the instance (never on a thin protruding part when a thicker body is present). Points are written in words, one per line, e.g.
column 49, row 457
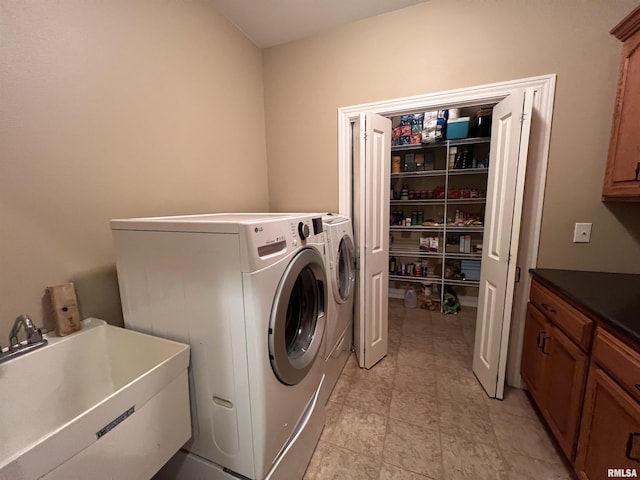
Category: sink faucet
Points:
column 16, row 348
column 33, row 334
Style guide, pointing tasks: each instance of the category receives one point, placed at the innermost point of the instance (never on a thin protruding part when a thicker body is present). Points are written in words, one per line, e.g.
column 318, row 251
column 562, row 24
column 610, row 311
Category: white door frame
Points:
column 542, row 89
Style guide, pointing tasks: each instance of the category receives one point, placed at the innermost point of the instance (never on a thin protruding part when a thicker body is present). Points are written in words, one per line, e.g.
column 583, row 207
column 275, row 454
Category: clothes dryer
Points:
column 248, row 292
column 340, row 266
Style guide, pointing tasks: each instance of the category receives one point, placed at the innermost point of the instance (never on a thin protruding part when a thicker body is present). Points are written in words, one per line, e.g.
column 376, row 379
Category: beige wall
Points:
column 448, row 44
column 116, row 109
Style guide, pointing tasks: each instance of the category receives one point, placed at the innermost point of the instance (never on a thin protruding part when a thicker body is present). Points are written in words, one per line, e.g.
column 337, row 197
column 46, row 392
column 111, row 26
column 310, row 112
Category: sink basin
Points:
column 102, row 403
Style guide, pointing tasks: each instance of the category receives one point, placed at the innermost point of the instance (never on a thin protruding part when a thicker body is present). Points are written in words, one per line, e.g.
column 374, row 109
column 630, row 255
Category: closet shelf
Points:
column 415, row 279
column 440, row 201
column 444, row 143
column 413, row 253
column 438, row 228
column 416, row 253
column 441, row 173
column 462, row 283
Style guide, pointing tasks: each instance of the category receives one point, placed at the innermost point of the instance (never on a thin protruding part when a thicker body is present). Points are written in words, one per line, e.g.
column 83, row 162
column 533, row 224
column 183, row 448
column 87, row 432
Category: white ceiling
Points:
column 272, row 22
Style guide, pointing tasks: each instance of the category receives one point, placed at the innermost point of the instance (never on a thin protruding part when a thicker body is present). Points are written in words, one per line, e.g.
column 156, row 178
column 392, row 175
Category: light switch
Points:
column 582, row 233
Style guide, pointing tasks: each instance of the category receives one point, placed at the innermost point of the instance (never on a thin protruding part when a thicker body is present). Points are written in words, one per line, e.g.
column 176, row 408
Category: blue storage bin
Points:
column 458, row 128
column 471, row 269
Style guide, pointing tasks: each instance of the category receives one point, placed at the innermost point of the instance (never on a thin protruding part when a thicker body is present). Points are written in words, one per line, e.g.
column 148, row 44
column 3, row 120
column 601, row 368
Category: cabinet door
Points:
column 532, row 366
column 622, row 174
column 610, row 430
column 564, row 380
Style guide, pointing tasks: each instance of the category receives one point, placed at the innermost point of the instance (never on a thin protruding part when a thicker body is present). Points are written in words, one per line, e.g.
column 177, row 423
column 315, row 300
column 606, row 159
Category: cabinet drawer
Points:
column 618, row 360
column 571, row 321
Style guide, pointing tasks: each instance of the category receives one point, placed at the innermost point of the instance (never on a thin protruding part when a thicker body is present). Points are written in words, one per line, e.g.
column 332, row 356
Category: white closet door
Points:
column 505, row 188
column 372, row 155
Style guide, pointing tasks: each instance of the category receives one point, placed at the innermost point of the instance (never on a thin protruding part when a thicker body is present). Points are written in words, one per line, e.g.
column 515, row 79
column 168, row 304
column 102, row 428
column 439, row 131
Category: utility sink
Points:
column 102, row 403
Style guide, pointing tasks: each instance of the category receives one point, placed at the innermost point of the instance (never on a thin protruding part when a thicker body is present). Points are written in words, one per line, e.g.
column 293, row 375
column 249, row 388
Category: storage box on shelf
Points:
column 458, row 128
column 437, row 213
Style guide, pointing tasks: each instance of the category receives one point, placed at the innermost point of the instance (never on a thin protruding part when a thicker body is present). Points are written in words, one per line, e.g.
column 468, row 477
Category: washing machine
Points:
column 249, row 293
column 341, row 273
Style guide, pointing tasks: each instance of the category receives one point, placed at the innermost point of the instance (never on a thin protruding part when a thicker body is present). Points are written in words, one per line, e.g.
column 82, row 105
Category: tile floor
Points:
column 421, row 414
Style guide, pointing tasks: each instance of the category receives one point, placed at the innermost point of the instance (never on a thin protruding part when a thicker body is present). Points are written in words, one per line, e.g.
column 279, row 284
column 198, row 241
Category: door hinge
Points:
column 356, row 264
column 517, row 274
column 523, row 117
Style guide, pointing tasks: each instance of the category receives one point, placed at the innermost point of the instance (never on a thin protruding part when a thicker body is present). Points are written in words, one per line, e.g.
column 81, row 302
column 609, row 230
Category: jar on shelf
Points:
column 396, row 164
column 417, row 270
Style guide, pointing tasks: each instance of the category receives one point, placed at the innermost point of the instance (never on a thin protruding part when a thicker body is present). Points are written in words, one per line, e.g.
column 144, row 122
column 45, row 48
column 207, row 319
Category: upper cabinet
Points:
column 622, row 175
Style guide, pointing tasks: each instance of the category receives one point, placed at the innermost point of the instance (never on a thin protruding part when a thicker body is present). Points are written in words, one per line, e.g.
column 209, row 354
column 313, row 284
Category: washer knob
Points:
column 303, row 230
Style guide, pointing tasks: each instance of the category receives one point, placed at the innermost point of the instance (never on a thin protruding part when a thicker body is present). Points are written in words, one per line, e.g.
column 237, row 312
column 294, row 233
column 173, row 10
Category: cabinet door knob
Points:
column 539, row 339
column 548, row 308
column 544, row 345
column 632, row 437
column 637, row 170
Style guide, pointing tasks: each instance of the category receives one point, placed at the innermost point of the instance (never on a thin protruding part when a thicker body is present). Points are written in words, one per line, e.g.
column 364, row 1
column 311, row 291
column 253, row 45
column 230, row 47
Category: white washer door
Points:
column 297, row 319
column 344, row 273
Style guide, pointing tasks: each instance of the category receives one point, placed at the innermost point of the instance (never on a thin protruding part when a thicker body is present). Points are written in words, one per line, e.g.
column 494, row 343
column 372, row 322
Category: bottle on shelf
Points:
column 417, row 269
column 453, row 151
column 392, row 265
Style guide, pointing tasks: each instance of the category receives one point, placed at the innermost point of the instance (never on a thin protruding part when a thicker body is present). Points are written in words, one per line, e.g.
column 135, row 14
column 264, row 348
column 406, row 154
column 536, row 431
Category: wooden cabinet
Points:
column 532, row 365
column 554, row 368
column 591, row 403
column 565, row 375
column 610, row 428
column 622, row 174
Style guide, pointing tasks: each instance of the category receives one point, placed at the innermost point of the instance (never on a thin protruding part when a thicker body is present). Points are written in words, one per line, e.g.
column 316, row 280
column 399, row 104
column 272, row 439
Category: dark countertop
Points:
column 613, row 297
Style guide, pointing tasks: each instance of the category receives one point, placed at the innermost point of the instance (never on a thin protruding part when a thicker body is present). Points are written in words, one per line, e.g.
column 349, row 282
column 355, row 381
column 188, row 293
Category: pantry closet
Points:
column 439, row 168
column 463, row 218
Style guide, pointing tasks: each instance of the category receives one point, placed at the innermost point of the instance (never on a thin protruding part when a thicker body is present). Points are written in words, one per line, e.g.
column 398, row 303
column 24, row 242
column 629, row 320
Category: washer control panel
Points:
column 303, row 230
column 270, row 240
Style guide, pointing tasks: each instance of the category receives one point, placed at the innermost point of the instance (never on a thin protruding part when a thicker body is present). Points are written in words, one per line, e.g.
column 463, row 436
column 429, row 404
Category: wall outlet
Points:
column 582, row 233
